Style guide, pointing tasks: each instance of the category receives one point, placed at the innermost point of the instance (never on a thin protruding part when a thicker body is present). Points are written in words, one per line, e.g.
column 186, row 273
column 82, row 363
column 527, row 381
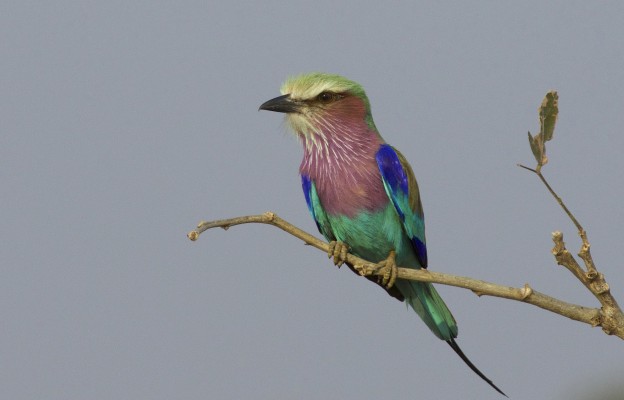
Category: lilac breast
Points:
column 347, row 178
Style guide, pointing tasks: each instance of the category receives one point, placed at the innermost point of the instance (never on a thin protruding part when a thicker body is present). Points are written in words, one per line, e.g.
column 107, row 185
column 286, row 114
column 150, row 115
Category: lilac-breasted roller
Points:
column 361, row 191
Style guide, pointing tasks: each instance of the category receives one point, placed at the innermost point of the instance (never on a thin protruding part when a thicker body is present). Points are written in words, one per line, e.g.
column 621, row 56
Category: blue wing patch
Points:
column 391, row 168
column 306, row 184
column 402, row 189
column 393, row 175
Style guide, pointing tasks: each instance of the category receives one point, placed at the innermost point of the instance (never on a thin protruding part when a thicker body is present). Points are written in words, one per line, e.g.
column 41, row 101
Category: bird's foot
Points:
column 338, row 250
column 389, row 268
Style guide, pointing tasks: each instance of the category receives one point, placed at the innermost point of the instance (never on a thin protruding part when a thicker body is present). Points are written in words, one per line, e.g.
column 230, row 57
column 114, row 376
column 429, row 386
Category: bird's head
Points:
column 320, row 106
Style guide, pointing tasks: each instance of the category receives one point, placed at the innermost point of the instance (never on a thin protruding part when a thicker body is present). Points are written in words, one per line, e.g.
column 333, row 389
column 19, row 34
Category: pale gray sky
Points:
column 125, row 123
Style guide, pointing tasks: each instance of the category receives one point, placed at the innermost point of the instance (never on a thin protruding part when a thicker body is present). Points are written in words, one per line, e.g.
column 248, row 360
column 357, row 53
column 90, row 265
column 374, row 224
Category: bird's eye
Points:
column 326, row 97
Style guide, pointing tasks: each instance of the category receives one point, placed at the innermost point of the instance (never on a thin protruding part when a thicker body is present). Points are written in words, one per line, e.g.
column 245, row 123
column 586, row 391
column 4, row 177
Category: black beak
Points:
column 283, row 104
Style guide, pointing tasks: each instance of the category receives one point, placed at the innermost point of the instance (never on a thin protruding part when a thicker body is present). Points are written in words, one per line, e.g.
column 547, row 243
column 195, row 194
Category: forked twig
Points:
column 611, row 316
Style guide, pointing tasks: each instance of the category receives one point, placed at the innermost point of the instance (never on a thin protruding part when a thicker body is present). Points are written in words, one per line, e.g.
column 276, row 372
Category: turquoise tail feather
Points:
column 428, row 304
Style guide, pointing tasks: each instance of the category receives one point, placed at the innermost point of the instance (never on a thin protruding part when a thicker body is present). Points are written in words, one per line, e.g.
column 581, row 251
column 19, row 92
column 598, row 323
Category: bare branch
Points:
column 611, row 318
column 591, row 316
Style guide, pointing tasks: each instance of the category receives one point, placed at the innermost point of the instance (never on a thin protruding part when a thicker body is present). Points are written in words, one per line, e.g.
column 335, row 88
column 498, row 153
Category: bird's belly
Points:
column 372, row 235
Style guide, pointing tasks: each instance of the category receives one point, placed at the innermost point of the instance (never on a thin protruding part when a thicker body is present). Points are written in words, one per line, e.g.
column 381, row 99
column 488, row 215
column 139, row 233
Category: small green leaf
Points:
column 537, row 147
column 548, row 113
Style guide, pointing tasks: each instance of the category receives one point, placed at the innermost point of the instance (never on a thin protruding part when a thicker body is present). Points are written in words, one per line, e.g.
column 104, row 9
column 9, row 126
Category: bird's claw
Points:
column 390, row 271
column 338, row 250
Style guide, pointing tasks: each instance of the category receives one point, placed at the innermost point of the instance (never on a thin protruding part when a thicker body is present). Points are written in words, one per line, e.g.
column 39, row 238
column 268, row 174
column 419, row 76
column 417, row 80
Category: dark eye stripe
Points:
column 328, row 97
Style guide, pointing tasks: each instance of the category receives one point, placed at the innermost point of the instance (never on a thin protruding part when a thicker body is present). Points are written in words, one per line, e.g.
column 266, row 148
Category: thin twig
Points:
column 558, row 199
column 611, row 315
column 526, row 294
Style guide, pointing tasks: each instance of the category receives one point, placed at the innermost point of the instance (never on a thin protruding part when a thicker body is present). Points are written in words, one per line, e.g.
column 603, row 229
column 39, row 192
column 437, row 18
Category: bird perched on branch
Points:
column 361, row 191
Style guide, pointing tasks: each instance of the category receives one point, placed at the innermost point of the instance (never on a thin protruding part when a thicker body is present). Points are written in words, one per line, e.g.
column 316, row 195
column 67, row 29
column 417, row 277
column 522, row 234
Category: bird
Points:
column 361, row 192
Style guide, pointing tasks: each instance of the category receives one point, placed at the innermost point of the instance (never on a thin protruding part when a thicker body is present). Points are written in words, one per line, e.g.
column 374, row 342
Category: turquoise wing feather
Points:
column 402, row 189
column 316, row 210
